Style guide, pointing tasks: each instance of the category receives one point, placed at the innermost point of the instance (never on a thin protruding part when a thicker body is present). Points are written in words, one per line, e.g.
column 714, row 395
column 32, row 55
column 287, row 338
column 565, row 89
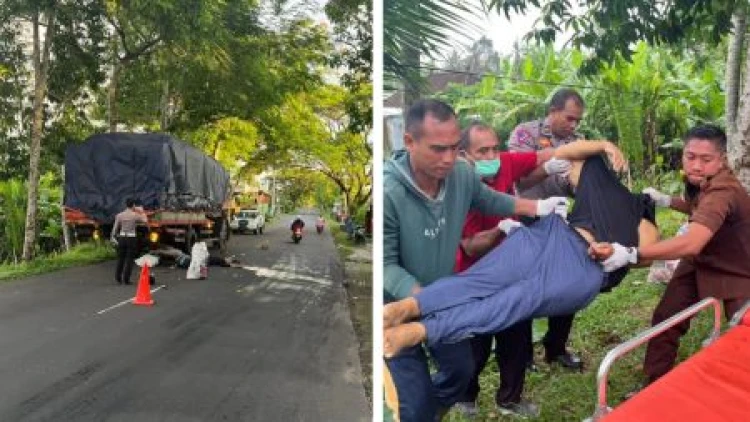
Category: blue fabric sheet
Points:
column 538, row 271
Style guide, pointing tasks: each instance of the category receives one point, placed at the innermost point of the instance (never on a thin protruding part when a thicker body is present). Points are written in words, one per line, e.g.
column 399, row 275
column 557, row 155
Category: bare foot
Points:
column 400, row 337
column 396, row 313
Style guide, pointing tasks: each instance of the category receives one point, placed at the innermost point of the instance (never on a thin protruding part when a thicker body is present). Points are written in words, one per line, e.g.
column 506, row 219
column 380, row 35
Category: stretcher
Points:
column 711, row 386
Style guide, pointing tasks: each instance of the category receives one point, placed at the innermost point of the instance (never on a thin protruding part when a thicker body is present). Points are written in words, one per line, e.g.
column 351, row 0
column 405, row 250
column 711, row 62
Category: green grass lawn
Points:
column 611, row 319
column 82, row 254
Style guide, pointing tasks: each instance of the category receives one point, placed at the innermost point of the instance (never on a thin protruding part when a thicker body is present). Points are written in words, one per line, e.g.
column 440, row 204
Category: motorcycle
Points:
column 297, row 235
column 319, row 227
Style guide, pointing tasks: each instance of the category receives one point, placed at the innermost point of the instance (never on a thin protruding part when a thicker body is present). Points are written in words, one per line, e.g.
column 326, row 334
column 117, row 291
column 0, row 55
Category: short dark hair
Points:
column 465, row 141
column 561, row 97
column 419, row 111
column 130, row 202
column 711, row 133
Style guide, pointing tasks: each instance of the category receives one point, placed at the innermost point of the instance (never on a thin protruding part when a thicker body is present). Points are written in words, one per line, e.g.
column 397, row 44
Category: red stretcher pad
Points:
column 712, row 385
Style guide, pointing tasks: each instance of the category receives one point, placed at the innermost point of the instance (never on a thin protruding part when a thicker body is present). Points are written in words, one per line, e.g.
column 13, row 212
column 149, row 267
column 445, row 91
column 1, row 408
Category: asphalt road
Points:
column 268, row 342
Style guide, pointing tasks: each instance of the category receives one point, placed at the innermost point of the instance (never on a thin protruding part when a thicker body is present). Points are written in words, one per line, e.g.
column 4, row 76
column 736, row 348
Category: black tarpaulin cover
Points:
column 155, row 169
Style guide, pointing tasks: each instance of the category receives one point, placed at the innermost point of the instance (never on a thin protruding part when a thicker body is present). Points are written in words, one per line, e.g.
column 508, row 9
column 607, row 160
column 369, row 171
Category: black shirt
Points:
column 609, row 211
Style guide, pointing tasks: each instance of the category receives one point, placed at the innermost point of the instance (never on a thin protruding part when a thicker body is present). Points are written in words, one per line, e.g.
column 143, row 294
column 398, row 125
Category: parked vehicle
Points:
column 250, row 220
column 184, row 192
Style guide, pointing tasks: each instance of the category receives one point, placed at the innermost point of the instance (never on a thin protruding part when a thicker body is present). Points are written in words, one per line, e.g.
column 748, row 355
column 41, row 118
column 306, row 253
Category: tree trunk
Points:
column 165, row 112
column 217, row 147
column 739, row 147
column 65, row 228
column 41, row 70
column 411, row 82
column 164, row 121
column 112, row 96
column 650, row 137
column 734, row 67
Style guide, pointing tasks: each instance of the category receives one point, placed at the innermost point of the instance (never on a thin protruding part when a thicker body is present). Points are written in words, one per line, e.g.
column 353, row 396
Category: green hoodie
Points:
column 420, row 234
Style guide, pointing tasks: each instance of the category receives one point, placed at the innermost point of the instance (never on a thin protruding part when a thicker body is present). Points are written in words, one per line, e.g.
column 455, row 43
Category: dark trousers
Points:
column 556, row 339
column 513, row 346
column 127, row 247
column 681, row 293
column 420, row 395
column 558, row 332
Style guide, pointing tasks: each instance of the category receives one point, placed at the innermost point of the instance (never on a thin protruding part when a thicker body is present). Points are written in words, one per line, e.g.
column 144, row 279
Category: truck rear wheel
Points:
column 223, row 236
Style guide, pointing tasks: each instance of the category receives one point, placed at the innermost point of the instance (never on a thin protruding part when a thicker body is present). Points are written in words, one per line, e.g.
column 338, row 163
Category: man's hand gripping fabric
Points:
column 507, row 225
column 555, row 204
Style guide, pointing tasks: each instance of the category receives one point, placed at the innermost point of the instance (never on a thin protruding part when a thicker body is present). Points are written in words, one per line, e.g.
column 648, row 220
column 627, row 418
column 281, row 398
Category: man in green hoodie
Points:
column 427, row 196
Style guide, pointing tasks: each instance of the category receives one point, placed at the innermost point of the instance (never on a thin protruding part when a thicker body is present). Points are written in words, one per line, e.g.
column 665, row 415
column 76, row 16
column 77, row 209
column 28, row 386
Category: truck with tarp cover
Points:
column 183, row 191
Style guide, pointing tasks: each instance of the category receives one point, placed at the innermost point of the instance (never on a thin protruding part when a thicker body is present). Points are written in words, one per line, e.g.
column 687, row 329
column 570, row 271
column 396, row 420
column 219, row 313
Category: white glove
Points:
column 557, row 166
column 508, row 224
column 620, row 258
column 661, row 199
column 555, row 204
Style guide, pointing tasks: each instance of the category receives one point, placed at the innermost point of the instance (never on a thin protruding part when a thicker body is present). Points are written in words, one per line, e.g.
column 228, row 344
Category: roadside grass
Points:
column 344, row 245
column 611, row 319
column 358, row 285
column 82, row 254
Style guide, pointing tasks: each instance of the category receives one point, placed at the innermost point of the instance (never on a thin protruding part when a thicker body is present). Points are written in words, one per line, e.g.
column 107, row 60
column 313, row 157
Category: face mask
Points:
column 487, row 168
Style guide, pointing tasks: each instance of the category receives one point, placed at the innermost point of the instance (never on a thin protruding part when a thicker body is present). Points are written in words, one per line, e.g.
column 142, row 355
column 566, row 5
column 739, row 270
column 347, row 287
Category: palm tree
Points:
column 413, row 29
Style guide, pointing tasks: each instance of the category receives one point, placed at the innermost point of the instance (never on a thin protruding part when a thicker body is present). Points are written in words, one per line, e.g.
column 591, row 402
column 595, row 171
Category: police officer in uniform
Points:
column 558, row 128
column 125, row 236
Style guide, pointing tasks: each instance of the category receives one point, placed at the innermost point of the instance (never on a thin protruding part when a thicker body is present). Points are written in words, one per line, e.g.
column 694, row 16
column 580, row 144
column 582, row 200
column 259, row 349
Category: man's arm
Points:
column 690, row 243
column 616, row 256
column 539, row 173
column 480, row 243
column 397, row 282
column 665, row 200
column 115, row 228
column 679, row 204
column 581, row 150
column 704, row 222
column 490, row 202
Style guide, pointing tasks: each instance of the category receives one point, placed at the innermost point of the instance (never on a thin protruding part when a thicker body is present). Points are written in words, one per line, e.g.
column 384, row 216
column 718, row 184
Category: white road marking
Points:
column 285, row 275
column 124, row 302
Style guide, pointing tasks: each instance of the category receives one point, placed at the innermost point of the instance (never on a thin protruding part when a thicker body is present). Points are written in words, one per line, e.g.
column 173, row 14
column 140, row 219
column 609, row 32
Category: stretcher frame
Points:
column 602, row 409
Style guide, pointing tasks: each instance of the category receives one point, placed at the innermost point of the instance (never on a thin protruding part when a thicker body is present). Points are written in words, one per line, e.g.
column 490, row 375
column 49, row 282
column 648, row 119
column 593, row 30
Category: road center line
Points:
column 126, row 301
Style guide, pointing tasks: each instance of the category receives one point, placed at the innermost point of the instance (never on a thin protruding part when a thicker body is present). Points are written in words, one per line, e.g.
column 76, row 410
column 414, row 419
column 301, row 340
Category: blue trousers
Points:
column 420, row 395
column 539, row 271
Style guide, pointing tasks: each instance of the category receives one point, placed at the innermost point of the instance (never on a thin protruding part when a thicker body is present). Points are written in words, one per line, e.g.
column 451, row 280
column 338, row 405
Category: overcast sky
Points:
column 504, row 32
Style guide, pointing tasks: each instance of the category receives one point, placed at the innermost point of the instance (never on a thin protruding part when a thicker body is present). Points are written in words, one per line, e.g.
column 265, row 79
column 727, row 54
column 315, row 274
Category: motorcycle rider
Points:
column 320, row 224
column 298, row 223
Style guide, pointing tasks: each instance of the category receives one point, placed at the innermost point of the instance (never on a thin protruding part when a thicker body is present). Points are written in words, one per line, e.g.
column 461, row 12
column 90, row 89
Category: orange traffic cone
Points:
column 143, row 294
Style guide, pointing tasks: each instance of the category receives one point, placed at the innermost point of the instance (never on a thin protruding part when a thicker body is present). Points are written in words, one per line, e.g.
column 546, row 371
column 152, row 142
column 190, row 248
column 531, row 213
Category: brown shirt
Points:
column 723, row 266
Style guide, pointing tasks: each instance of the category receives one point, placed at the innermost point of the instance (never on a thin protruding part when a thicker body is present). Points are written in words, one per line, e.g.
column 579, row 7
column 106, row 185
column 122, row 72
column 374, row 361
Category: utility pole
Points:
column 273, row 192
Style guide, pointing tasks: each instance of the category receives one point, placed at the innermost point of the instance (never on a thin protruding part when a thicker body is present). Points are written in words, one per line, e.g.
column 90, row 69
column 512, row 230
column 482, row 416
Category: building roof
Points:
column 436, row 82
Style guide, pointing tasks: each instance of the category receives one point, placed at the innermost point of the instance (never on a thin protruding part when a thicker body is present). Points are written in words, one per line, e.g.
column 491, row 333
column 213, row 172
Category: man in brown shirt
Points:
column 715, row 251
column 125, row 236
